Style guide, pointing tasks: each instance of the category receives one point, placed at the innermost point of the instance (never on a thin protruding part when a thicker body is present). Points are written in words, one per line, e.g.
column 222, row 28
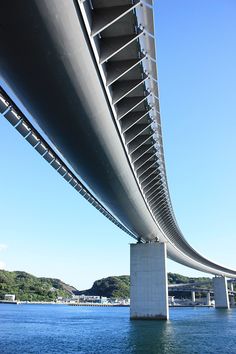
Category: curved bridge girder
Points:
column 86, row 73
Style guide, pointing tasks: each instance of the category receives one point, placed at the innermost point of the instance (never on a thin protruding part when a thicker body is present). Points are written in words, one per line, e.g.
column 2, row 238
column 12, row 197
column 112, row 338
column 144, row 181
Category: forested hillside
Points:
column 119, row 286
column 27, row 287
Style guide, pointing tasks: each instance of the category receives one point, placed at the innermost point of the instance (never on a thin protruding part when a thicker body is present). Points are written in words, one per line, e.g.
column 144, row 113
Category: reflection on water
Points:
column 190, row 330
column 63, row 329
column 152, row 337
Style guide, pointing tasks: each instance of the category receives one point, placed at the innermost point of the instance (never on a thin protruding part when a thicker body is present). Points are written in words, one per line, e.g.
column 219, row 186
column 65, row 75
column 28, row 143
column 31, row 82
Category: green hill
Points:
column 116, row 286
column 174, row 278
column 27, row 287
column 119, row 286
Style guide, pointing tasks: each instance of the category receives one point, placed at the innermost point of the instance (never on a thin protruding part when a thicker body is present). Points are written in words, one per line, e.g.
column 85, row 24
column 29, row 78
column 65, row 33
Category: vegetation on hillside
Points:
column 174, row 278
column 119, row 286
column 27, row 287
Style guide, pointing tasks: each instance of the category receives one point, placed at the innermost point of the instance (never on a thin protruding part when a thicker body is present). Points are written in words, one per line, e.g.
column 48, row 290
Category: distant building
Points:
column 75, row 298
column 125, row 302
column 103, row 300
column 10, row 297
column 171, row 300
column 90, row 299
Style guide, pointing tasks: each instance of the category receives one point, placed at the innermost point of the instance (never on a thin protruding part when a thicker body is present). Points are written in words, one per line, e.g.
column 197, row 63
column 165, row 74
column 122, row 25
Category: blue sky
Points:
column 49, row 230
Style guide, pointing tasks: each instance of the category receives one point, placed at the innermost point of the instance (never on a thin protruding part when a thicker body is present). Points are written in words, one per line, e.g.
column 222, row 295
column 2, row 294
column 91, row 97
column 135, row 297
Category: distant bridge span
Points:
column 82, row 74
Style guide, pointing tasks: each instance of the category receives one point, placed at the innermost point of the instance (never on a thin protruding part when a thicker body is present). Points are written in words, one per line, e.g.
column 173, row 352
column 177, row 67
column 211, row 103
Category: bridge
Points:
column 80, row 84
column 192, row 288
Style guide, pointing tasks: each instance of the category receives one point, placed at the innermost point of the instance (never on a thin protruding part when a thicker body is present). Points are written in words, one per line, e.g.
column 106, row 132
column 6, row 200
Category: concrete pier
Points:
column 232, row 301
column 148, row 281
column 221, row 292
column 208, row 298
column 193, row 296
column 232, row 297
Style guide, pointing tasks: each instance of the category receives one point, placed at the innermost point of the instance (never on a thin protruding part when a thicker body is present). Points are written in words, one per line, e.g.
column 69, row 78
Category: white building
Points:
column 171, row 300
column 10, row 297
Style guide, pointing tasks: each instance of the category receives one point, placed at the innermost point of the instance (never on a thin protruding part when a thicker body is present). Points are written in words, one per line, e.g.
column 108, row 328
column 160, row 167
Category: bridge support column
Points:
column 193, row 296
column 221, row 292
column 231, row 286
column 148, row 281
column 231, row 298
column 208, row 298
column 232, row 301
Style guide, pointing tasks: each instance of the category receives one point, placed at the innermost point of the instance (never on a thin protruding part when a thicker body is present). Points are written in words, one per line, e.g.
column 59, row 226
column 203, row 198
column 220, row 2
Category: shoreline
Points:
column 86, row 304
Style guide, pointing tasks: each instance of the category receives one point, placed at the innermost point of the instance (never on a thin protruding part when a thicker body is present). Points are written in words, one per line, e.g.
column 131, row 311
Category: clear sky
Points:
column 47, row 229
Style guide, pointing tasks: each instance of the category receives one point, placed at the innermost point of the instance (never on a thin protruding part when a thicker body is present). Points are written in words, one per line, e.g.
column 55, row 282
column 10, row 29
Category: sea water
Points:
column 68, row 329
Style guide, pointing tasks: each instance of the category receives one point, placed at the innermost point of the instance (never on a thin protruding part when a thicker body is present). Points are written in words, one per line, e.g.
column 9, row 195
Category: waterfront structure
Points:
column 10, row 297
column 90, row 299
column 86, row 74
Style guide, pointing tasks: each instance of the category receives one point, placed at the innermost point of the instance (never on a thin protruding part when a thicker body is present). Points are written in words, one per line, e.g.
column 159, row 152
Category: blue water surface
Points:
column 67, row 329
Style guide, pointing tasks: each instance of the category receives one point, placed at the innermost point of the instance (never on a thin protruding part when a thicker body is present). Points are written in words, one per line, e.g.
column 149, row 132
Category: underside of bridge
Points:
column 83, row 73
